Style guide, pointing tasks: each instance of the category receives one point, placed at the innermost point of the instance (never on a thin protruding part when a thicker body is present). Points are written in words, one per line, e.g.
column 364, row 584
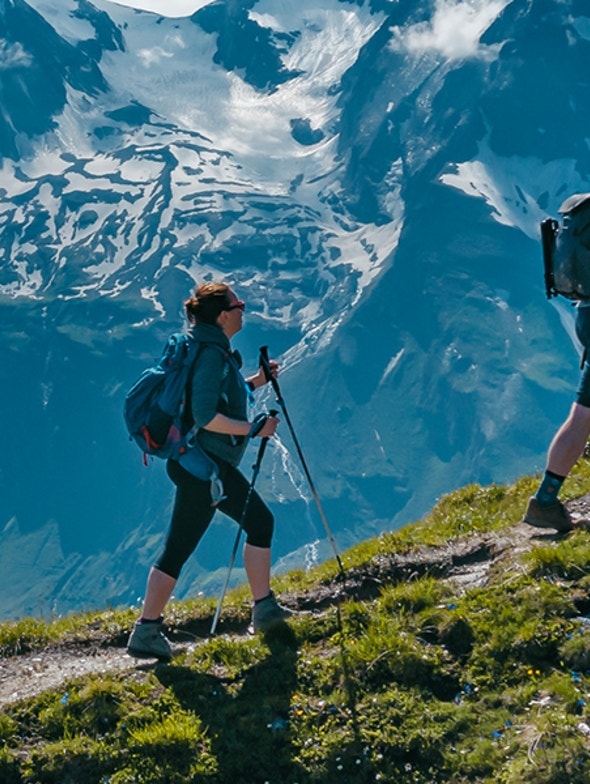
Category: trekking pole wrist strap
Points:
column 257, row 425
column 259, row 422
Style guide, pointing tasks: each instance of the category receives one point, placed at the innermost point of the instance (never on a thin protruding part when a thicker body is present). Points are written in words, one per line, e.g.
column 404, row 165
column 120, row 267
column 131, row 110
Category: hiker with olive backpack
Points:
column 566, row 256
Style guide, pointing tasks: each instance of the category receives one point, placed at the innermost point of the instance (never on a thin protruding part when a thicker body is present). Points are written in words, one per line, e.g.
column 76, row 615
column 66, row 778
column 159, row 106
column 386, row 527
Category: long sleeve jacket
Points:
column 217, row 387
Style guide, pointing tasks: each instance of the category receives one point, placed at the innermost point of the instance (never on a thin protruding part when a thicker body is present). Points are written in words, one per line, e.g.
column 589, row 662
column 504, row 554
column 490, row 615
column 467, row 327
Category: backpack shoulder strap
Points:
column 196, row 346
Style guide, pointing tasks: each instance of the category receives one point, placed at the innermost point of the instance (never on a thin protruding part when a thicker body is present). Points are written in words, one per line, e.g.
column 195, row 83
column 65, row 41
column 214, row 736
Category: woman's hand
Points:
column 269, row 428
column 259, row 380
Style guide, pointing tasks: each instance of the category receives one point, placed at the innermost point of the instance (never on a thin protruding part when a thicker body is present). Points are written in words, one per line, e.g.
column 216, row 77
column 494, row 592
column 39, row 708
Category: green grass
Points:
column 425, row 683
column 31, row 634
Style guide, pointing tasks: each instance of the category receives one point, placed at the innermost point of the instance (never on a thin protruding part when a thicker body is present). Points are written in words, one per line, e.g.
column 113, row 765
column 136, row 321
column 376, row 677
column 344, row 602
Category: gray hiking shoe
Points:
column 554, row 515
column 147, row 641
column 268, row 613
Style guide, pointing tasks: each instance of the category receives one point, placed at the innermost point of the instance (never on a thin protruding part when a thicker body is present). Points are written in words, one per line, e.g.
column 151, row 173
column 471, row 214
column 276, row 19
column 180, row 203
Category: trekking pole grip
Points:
column 260, row 422
column 272, row 413
column 265, row 365
column 264, row 362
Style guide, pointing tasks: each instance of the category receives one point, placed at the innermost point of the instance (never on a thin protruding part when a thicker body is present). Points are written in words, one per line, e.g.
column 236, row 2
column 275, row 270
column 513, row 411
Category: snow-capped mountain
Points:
column 369, row 175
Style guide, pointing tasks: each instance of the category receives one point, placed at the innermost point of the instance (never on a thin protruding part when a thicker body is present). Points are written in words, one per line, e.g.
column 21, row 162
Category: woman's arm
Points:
column 236, row 427
column 231, row 427
column 206, row 385
column 259, row 379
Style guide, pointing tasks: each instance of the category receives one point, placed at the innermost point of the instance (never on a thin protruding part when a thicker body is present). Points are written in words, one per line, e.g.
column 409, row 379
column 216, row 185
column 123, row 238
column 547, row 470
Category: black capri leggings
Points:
column 193, row 512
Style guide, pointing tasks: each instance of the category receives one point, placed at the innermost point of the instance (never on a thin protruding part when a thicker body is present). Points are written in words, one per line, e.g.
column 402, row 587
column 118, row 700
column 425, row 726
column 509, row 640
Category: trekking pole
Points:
column 265, row 364
column 255, row 471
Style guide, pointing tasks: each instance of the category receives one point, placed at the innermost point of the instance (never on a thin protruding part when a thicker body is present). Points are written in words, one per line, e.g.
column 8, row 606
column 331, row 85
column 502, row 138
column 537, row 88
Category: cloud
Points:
column 454, row 30
column 154, row 56
column 12, row 55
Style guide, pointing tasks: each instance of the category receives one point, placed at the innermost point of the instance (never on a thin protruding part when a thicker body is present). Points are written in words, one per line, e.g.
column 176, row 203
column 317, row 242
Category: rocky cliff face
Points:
column 369, row 175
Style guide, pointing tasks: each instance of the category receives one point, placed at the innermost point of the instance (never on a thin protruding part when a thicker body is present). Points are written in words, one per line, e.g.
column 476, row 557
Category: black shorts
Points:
column 583, row 333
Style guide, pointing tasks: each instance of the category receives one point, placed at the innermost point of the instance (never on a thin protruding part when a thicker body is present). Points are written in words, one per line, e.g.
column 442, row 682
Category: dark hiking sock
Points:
column 549, row 488
column 264, row 598
column 151, row 620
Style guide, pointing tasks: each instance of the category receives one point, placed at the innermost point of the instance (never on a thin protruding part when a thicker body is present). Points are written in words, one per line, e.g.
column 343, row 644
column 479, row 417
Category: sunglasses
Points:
column 239, row 305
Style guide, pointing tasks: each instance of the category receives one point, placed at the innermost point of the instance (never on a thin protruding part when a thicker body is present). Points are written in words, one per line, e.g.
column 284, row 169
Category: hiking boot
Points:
column 147, row 641
column 553, row 515
column 268, row 613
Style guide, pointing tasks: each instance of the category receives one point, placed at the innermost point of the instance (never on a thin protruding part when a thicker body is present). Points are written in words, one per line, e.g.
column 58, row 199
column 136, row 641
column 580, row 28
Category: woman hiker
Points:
column 218, row 406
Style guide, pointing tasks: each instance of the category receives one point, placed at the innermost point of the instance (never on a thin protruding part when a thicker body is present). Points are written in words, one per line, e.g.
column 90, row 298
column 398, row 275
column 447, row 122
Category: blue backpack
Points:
column 155, row 406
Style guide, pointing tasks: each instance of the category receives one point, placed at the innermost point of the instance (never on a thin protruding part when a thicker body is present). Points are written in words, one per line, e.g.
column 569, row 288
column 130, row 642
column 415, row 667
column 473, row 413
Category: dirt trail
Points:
column 27, row 676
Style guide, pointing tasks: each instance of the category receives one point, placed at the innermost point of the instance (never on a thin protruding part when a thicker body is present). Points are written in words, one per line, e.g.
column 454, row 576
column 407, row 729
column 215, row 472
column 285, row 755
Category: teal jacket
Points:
column 217, row 387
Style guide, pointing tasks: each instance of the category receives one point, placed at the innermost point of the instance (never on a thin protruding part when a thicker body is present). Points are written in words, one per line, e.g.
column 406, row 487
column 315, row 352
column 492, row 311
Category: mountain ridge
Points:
column 392, row 265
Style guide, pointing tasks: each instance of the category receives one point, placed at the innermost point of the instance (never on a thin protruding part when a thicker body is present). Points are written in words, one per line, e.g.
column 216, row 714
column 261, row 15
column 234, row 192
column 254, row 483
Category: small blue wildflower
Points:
column 278, row 724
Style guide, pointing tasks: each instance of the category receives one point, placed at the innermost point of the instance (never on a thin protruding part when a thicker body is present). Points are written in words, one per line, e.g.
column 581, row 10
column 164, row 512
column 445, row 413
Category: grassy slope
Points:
column 405, row 675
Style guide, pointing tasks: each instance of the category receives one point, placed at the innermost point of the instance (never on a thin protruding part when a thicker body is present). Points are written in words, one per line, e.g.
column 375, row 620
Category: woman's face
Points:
column 230, row 319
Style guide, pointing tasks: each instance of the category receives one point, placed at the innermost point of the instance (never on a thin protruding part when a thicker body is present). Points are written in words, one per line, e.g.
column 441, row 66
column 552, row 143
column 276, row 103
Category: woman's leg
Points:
column 257, row 565
column 191, row 516
column 159, row 589
column 258, row 524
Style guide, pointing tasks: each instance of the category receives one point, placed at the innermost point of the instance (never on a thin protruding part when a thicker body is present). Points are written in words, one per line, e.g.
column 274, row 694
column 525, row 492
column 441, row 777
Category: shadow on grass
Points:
column 247, row 716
